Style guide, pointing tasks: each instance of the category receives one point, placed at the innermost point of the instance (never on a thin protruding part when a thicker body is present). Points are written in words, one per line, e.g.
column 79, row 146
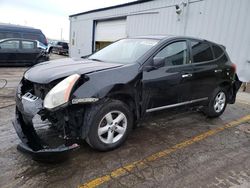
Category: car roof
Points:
column 157, row 37
column 19, row 28
column 164, row 37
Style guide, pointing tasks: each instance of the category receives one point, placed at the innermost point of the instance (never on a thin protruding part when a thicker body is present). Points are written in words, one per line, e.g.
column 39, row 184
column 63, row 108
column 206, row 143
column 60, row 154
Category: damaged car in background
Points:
column 99, row 99
column 22, row 52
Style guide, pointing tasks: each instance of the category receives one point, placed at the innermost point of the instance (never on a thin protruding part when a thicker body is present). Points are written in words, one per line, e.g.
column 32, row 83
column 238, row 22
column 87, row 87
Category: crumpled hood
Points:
column 46, row 72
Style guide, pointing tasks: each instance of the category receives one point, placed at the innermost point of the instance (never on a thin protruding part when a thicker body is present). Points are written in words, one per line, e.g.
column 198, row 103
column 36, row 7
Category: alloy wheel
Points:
column 220, row 101
column 112, row 127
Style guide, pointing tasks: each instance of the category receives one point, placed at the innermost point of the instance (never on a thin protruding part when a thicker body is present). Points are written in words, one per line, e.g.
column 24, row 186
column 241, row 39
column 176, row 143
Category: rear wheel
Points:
column 217, row 103
column 50, row 50
column 109, row 123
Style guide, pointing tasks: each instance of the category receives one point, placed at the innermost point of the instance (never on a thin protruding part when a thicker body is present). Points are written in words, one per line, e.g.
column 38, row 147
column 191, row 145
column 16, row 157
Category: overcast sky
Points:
column 49, row 15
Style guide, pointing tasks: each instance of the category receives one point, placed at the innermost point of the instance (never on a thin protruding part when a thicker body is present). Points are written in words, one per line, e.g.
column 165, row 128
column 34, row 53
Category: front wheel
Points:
column 217, row 103
column 109, row 123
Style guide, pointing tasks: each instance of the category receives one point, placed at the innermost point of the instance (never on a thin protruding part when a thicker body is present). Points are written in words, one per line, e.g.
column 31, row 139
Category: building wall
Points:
column 222, row 21
column 81, row 38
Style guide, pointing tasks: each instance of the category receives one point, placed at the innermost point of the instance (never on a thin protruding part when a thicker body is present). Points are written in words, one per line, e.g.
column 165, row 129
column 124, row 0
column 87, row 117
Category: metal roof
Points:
column 112, row 7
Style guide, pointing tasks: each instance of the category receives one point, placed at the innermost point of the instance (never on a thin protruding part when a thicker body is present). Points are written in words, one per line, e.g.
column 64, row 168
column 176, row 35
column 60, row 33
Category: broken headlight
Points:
column 60, row 94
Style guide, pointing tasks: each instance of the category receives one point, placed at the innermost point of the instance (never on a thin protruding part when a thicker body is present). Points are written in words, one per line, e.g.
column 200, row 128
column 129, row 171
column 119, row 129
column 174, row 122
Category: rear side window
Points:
column 4, row 35
column 11, row 44
column 217, row 51
column 201, row 52
column 38, row 37
column 31, row 36
column 28, row 45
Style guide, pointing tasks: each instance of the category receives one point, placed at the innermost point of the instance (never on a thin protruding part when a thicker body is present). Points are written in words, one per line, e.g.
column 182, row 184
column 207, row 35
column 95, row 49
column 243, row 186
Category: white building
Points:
column 223, row 21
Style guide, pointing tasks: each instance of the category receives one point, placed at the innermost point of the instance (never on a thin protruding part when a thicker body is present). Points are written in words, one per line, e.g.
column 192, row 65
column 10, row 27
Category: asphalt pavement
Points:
column 168, row 149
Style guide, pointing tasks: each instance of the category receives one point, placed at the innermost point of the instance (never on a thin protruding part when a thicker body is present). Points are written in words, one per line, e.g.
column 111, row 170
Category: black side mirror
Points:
column 159, row 62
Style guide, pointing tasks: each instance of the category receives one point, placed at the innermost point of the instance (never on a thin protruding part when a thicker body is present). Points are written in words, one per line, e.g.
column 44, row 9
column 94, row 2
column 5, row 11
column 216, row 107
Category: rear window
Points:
column 217, row 51
column 201, row 52
column 64, row 44
column 38, row 37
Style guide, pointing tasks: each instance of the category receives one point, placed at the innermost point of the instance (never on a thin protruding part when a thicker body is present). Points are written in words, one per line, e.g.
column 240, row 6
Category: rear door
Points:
column 205, row 67
column 9, row 51
column 28, row 52
column 170, row 84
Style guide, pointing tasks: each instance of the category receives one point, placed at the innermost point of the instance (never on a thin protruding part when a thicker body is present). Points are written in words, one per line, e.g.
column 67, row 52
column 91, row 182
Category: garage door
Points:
column 111, row 30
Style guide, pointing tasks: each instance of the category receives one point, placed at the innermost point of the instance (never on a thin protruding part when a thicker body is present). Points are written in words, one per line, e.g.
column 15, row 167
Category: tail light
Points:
column 234, row 67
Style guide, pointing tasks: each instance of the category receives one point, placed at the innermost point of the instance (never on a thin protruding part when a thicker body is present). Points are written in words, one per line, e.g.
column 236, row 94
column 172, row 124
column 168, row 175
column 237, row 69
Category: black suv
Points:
column 22, row 52
column 100, row 99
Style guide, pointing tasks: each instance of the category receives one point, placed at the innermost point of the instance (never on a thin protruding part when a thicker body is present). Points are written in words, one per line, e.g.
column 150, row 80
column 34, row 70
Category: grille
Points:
column 38, row 90
column 28, row 96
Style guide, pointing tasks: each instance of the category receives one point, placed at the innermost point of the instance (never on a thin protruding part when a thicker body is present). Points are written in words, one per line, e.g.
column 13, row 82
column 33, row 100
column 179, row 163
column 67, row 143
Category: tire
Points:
column 109, row 124
column 50, row 50
column 217, row 103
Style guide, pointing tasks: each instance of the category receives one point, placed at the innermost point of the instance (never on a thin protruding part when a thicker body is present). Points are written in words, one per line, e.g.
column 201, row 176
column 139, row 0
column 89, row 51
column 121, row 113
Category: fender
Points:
column 102, row 84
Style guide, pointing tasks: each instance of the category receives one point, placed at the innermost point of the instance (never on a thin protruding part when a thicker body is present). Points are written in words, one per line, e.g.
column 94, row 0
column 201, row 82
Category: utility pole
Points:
column 61, row 33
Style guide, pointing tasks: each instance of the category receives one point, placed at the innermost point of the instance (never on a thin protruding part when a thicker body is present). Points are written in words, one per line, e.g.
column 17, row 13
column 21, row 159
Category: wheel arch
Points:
column 129, row 100
column 225, row 84
column 231, row 91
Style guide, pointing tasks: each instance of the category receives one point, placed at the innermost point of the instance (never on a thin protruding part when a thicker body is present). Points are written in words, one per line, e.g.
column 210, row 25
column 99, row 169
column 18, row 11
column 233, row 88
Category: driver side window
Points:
column 174, row 54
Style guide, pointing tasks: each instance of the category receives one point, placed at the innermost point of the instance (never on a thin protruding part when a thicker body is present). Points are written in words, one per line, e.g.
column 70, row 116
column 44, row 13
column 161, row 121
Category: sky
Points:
column 51, row 16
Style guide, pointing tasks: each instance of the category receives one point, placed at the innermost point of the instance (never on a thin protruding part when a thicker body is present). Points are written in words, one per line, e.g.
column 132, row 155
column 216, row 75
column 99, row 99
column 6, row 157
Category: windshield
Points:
column 124, row 51
column 41, row 45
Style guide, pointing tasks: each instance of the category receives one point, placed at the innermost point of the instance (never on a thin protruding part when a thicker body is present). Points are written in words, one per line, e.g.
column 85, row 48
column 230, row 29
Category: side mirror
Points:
column 159, row 62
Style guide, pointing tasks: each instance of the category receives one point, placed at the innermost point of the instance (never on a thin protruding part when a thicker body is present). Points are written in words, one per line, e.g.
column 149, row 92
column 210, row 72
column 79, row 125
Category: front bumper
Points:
column 32, row 143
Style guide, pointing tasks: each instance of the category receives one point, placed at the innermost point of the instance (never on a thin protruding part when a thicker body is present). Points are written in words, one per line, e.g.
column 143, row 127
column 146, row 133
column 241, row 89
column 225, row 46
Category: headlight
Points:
column 60, row 94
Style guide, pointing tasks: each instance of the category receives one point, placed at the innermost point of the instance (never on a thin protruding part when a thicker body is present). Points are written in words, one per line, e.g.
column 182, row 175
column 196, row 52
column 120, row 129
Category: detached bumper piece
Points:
column 31, row 142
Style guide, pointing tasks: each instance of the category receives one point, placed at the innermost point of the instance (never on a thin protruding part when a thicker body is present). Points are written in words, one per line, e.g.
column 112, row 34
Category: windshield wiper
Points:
column 96, row 60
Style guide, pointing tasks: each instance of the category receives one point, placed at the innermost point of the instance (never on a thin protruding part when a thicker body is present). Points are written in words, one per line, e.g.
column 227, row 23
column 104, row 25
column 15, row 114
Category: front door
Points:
column 170, row 84
column 9, row 52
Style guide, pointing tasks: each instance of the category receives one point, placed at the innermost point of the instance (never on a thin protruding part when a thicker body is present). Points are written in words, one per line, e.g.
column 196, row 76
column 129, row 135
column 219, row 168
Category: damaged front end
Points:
column 46, row 135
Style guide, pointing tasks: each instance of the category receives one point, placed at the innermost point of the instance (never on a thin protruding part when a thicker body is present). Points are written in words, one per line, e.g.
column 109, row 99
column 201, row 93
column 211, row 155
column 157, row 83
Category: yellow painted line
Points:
column 141, row 163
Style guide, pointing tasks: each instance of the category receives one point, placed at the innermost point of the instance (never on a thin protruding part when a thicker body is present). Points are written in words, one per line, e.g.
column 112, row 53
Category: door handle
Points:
column 217, row 70
column 187, row 75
